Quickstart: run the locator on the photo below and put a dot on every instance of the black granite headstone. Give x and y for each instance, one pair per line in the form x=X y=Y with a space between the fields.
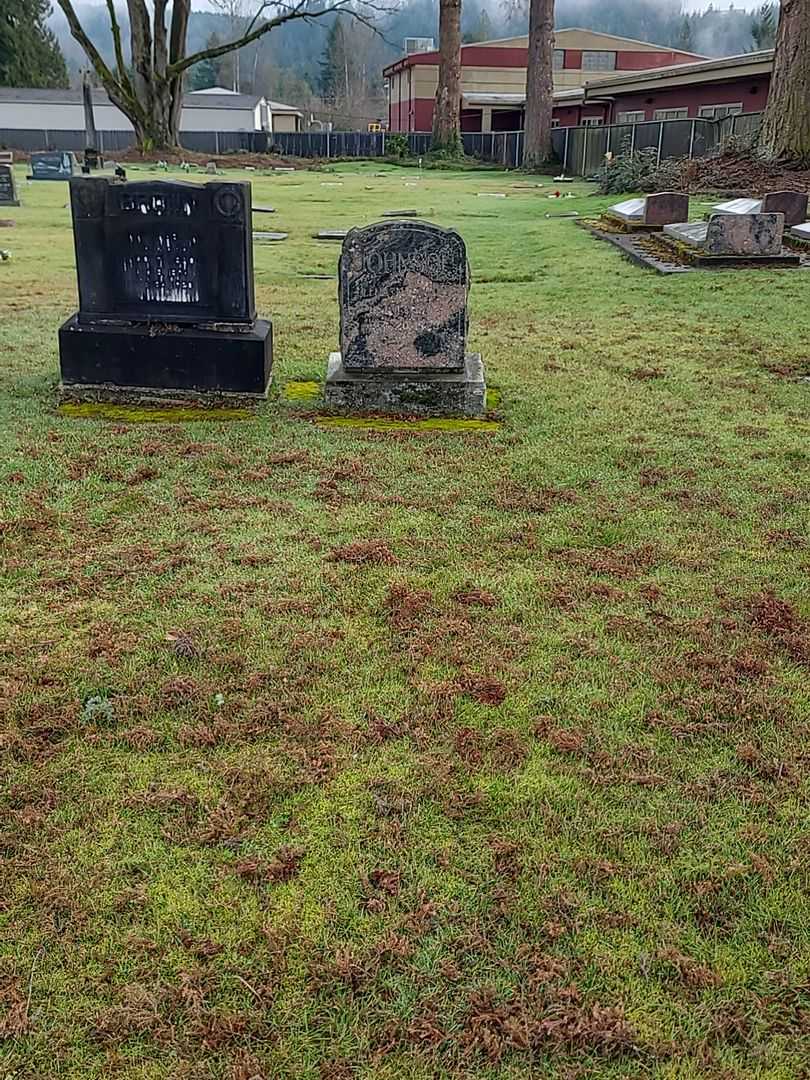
x=166 y=298
x=52 y=165
x=8 y=188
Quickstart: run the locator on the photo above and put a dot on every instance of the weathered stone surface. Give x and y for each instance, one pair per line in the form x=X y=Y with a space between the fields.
x=629 y=210
x=52 y=165
x=801 y=232
x=455 y=393
x=666 y=208
x=744 y=234
x=692 y=234
x=738 y=206
x=8 y=187
x=793 y=204
x=403 y=298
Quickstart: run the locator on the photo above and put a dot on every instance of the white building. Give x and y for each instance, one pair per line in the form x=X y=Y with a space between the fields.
x=204 y=110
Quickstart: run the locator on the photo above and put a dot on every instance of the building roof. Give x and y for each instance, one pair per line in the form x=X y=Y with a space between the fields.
x=726 y=67
x=29 y=95
x=611 y=42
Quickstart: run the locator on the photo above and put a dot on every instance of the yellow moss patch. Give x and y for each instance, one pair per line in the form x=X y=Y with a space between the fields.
x=378 y=423
x=494 y=398
x=146 y=415
x=303 y=390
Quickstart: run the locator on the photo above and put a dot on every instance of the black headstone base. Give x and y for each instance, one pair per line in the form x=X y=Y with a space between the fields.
x=155 y=357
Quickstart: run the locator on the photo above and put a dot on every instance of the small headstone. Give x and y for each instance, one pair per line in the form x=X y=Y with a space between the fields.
x=741 y=235
x=400 y=213
x=403 y=324
x=662 y=208
x=211 y=168
x=793 y=204
x=801 y=232
x=331 y=234
x=52 y=165
x=264 y=210
x=738 y=206
x=270 y=237
x=665 y=207
x=8 y=187
x=166 y=297
x=745 y=234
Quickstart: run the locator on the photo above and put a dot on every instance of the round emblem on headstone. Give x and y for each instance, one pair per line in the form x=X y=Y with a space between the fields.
x=227 y=202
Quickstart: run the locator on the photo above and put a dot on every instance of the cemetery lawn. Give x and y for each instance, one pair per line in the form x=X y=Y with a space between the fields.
x=331 y=752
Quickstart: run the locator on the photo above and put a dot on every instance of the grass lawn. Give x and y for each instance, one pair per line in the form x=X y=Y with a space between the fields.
x=331 y=752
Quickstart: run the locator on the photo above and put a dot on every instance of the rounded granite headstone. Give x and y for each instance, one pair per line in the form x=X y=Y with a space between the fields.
x=403 y=298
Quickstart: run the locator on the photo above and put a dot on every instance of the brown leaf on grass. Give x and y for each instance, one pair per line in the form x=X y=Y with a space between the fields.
x=406 y=606
x=567 y=740
x=183 y=644
x=246 y=1066
x=15 y=1020
x=689 y=971
x=387 y=881
x=485 y=689
x=773 y=616
x=474 y=597
x=645 y=374
x=364 y=551
x=283 y=867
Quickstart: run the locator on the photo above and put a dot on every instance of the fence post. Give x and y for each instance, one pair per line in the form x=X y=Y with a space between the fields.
x=328 y=149
x=660 y=139
x=584 y=151
x=565 y=149
x=692 y=139
x=382 y=151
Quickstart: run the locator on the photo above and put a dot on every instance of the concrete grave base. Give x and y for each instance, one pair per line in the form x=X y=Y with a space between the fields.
x=415 y=393
x=184 y=362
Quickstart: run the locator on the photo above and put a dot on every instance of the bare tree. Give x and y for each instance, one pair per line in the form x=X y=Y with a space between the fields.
x=539 y=85
x=447 y=108
x=151 y=94
x=785 y=132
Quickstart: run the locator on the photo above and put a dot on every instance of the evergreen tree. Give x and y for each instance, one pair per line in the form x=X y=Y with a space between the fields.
x=763 y=27
x=482 y=30
x=333 y=63
x=205 y=74
x=29 y=52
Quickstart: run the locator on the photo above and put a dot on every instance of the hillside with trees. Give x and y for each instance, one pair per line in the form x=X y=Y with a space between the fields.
x=29 y=51
x=333 y=67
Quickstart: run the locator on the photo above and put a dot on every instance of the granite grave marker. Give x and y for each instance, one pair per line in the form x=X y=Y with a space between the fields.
x=741 y=235
x=166 y=299
x=52 y=165
x=403 y=289
x=652 y=211
x=793 y=204
x=8 y=187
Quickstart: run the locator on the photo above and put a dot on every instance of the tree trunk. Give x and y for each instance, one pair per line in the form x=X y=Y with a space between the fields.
x=447 y=108
x=537 y=151
x=785 y=132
